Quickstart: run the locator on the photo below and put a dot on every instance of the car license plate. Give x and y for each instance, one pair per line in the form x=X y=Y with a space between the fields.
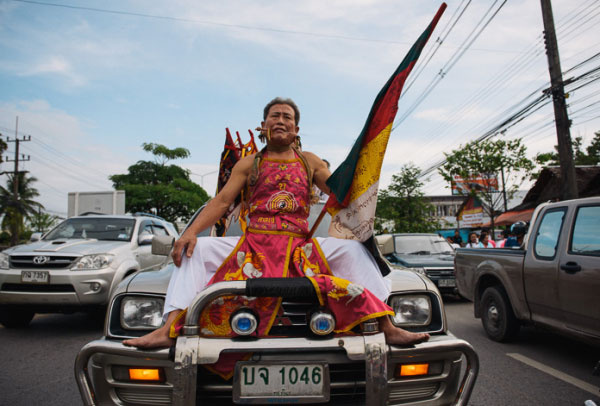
x=35 y=277
x=447 y=283
x=293 y=382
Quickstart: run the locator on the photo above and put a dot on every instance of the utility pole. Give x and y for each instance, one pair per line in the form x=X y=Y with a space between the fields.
x=14 y=236
x=568 y=187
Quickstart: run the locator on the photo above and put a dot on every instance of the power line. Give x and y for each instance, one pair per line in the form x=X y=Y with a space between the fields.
x=475 y=33
x=228 y=25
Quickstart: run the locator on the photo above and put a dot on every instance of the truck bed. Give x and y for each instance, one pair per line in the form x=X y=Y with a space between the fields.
x=469 y=262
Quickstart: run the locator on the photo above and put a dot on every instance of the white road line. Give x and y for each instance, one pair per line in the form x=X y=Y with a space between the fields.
x=556 y=373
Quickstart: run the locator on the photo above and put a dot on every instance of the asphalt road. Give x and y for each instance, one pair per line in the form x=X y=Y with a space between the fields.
x=538 y=369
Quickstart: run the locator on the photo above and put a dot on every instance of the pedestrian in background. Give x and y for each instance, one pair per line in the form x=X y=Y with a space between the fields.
x=473 y=241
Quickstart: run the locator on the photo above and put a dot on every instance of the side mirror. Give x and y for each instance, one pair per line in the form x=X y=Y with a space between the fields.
x=162 y=244
x=35 y=237
x=145 y=239
x=385 y=243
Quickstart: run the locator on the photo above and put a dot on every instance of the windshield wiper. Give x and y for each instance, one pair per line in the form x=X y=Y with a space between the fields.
x=419 y=253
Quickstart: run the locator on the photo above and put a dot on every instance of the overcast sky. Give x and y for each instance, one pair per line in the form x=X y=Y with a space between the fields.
x=91 y=80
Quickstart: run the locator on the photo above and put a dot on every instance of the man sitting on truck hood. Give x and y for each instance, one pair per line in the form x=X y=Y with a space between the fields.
x=279 y=179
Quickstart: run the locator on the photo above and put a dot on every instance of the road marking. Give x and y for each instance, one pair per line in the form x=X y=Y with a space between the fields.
x=556 y=373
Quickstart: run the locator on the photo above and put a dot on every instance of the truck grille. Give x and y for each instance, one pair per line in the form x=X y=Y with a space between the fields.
x=347 y=386
x=52 y=262
x=292 y=320
x=439 y=272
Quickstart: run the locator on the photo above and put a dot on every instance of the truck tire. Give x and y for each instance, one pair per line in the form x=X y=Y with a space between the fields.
x=14 y=317
x=498 y=318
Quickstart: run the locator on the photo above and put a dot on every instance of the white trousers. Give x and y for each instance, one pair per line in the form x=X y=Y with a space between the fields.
x=347 y=259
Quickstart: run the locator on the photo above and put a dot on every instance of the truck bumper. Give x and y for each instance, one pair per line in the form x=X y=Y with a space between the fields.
x=363 y=370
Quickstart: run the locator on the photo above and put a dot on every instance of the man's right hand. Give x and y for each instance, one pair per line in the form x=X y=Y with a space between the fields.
x=183 y=246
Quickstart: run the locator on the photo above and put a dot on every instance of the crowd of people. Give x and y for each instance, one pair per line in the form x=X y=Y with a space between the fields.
x=512 y=237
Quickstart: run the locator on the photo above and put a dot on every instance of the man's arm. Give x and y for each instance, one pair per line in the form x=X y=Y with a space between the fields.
x=320 y=171
x=214 y=210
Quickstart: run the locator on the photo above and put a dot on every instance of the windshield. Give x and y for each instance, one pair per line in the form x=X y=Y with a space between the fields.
x=106 y=229
x=422 y=245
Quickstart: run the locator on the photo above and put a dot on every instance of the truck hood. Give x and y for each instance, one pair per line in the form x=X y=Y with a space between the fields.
x=67 y=246
x=425 y=261
x=156 y=282
x=406 y=280
x=151 y=281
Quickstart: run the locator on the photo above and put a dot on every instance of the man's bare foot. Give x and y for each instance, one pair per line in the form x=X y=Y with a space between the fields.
x=396 y=335
x=157 y=339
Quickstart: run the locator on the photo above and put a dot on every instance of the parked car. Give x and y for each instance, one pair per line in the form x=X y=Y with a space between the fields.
x=348 y=369
x=552 y=281
x=428 y=254
x=77 y=265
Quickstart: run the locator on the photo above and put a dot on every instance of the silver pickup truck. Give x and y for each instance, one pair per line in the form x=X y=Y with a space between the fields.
x=553 y=280
x=292 y=365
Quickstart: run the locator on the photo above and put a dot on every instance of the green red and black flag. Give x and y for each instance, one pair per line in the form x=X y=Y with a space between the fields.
x=232 y=153
x=355 y=183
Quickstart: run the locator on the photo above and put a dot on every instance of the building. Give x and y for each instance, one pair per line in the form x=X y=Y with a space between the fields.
x=446 y=207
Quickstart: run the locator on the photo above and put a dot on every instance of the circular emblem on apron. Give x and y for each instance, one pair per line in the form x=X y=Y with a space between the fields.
x=282 y=202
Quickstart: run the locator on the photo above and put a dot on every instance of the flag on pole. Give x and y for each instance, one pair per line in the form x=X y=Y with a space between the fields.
x=232 y=152
x=355 y=182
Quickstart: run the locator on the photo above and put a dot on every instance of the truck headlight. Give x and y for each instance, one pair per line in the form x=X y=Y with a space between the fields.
x=4 y=262
x=92 y=262
x=141 y=313
x=411 y=310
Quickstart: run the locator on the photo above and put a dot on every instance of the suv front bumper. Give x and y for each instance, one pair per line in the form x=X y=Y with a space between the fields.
x=65 y=288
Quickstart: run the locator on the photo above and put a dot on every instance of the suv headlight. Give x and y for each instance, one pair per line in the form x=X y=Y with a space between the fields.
x=141 y=313
x=411 y=310
x=92 y=262
x=4 y=262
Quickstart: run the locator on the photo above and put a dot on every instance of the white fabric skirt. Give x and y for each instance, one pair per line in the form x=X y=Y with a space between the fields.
x=347 y=259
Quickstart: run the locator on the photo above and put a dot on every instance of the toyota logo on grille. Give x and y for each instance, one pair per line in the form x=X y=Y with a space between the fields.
x=40 y=260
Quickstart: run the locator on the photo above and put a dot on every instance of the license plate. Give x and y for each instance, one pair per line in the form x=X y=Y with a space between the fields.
x=447 y=283
x=293 y=382
x=35 y=277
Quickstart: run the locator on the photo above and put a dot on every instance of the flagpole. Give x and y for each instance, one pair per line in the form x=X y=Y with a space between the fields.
x=317 y=222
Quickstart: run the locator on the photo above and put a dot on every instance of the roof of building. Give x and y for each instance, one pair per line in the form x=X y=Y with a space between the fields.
x=547 y=187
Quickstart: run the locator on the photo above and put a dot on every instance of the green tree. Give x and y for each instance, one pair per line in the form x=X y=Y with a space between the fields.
x=490 y=159
x=591 y=156
x=402 y=207
x=23 y=207
x=157 y=186
x=3 y=147
x=42 y=222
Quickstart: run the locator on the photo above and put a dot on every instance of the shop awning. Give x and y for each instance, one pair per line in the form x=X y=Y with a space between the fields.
x=510 y=217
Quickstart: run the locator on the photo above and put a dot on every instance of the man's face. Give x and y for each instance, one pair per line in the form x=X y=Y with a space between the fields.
x=281 y=123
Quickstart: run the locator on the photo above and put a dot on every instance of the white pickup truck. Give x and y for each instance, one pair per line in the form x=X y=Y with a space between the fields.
x=292 y=365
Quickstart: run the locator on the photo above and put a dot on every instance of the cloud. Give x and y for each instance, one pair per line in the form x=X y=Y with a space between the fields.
x=63 y=155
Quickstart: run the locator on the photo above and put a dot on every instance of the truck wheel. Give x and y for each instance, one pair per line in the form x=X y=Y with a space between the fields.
x=498 y=318
x=13 y=317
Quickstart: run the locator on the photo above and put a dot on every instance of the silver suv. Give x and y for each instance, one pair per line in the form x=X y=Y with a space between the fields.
x=76 y=265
